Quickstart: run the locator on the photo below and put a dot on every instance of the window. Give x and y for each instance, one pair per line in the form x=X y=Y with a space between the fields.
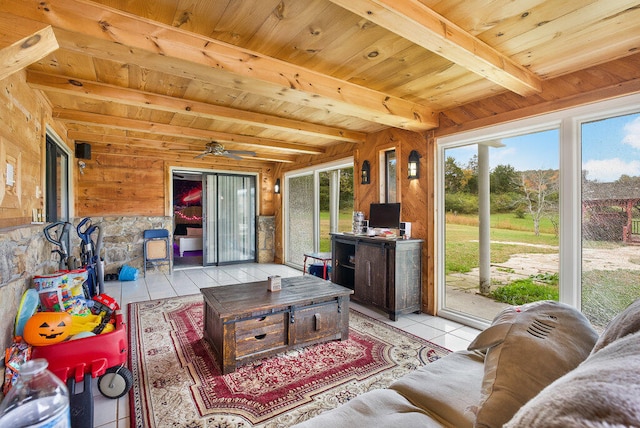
x=610 y=215
x=390 y=181
x=501 y=221
x=586 y=215
x=57 y=181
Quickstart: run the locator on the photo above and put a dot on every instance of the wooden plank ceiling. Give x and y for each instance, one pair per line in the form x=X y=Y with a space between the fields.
x=290 y=77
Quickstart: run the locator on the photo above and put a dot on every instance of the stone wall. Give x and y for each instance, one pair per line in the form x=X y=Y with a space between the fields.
x=266 y=239
x=122 y=241
x=25 y=253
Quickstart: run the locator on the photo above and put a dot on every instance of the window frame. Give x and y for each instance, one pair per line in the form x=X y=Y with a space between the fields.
x=568 y=122
x=50 y=177
x=386 y=181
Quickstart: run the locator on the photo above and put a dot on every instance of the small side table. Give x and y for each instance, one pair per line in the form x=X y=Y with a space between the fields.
x=323 y=257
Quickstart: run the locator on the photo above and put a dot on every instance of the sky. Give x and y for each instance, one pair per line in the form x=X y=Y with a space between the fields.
x=610 y=148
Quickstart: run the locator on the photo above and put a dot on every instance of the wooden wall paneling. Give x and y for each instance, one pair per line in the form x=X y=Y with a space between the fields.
x=429 y=246
x=416 y=196
x=120 y=185
x=371 y=151
x=367 y=193
x=22 y=115
x=266 y=181
x=278 y=215
x=416 y=204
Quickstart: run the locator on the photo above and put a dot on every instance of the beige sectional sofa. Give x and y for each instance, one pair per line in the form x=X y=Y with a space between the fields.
x=538 y=365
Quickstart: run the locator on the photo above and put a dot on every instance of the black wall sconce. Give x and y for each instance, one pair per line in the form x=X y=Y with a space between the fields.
x=365 y=173
x=276 y=187
x=414 y=165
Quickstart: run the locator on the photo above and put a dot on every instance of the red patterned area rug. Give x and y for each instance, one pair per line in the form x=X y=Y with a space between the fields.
x=178 y=384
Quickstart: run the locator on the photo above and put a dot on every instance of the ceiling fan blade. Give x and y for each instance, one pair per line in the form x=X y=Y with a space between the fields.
x=231 y=155
x=201 y=155
x=242 y=152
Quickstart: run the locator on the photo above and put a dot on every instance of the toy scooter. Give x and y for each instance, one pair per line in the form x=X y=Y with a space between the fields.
x=58 y=234
x=90 y=256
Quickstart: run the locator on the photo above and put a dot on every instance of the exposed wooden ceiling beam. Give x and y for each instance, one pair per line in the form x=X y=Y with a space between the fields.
x=104 y=92
x=161 y=147
x=23 y=42
x=416 y=22
x=117 y=122
x=176 y=158
x=297 y=84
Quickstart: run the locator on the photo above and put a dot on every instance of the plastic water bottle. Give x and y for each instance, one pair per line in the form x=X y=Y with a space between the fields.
x=38 y=399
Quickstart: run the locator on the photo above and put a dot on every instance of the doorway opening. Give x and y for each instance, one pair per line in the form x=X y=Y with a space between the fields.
x=188 y=236
x=214 y=216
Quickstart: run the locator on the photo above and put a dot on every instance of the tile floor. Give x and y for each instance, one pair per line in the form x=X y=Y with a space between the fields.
x=109 y=413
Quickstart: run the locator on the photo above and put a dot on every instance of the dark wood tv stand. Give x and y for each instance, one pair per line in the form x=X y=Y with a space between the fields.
x=385 y=273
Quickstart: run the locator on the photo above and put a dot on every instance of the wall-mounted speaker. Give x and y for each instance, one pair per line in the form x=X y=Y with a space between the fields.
x=83 y=150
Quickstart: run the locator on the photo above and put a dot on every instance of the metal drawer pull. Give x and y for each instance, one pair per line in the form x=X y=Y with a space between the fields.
x=260 y=336
x=318 y=323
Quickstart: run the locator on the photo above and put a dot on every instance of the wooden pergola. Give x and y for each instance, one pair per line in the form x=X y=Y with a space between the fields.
x=601 y=195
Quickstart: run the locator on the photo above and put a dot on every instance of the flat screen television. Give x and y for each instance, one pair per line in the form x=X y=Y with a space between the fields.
x=384 y=216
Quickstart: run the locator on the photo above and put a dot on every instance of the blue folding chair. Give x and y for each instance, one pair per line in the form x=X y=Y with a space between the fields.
x=156 y=247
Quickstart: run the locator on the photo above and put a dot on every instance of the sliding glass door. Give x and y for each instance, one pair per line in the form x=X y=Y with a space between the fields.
x=229 y=218
x=317 y=202
x=299 y=225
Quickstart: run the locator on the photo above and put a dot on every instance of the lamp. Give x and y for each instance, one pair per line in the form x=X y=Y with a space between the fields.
x=414 y=165
x=365 y=173
x=276 y=187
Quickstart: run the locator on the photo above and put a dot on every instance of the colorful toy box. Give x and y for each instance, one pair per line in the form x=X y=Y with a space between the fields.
x=62 y=291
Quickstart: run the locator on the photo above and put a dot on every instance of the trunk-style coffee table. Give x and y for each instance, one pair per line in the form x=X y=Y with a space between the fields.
x=245 y=322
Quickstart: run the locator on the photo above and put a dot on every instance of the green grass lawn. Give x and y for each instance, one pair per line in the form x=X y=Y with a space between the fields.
x=462 y=248
x=344 y=225
x=604 y=292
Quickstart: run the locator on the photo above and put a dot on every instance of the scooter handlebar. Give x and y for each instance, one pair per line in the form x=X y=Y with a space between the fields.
x=89 y=228
x=47 y=231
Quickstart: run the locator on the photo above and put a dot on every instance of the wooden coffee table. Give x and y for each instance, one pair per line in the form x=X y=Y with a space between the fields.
x=245 y=322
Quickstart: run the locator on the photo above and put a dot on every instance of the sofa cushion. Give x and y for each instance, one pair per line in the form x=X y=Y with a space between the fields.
x=447 y=387
x=194 y=231
x=602 y=392
x=626 y=322
x=528 y=347
x=380 y=408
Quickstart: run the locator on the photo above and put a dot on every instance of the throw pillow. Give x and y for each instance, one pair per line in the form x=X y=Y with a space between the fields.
x=626 y=322
x=194 y=231
x=528 y=347
x=602 y=392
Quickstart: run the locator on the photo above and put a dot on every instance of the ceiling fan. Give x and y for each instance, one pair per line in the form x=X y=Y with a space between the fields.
x=217 y=149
